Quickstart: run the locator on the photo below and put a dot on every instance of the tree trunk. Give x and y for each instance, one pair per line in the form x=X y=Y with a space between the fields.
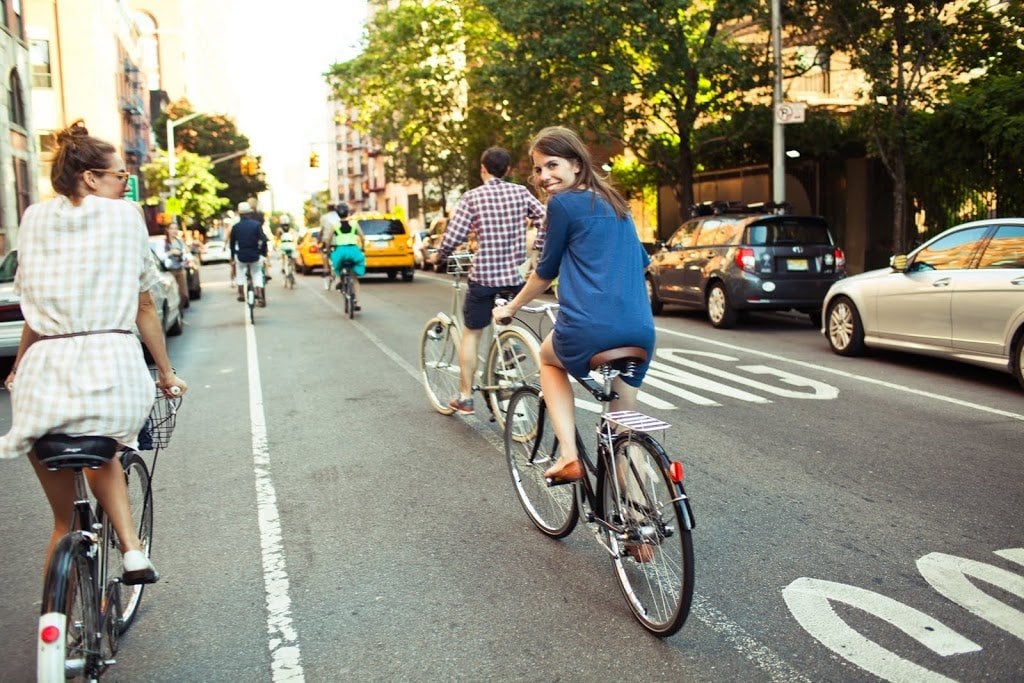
x=900 y=243
x=683 y=189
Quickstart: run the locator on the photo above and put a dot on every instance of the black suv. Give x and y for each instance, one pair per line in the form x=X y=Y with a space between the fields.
x=733 y=257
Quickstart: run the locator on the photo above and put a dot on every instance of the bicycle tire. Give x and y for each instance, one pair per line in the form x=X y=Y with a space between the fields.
x=439 y=362
x=513 y=361
x=653 y=557
x=531 y=448
x=350 y=297
x=140 y=499
x=70 y=606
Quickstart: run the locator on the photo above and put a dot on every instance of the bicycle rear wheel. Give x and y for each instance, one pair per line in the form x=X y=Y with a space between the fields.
x=653 y=555
x=250 y=301
x=68 y=637
x=140 y=499
x=439 y=362
x=513 y=361
x=350 y=297
x=531 y=448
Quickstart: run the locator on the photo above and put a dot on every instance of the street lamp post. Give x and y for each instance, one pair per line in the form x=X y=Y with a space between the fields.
x=171 y=124
x=778 y=136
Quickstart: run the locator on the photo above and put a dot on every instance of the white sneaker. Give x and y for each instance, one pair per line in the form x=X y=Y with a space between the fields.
x=138 y=569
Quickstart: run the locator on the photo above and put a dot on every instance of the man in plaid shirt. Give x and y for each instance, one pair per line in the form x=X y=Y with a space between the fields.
x=497 y=213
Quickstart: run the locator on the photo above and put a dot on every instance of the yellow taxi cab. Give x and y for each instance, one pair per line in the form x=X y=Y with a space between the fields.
x=307 y=252
x=387 y=244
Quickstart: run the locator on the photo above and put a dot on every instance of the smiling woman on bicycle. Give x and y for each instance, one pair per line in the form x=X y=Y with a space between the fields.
x=591 y=246
x=84 y=274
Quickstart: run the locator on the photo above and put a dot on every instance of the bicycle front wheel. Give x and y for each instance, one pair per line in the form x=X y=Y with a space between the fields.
x=439 y=362
x=531 y=448
x=513 y=361
x=69 y=631
x=652 y=548
x=140 y=499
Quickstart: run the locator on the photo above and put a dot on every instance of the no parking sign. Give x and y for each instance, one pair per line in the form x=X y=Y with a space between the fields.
x=790 y=112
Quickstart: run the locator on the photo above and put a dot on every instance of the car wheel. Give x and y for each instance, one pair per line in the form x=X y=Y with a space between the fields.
x=844 y=329
x=407 y=275
x=720 y=312
x=652 y=296
x=1017 y=358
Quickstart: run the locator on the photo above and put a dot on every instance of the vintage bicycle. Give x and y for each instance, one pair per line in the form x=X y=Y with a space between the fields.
x=632 y=493
x=509 y=356
x=86 y=607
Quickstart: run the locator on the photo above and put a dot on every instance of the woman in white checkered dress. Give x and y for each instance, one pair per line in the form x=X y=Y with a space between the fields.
x=84 y=274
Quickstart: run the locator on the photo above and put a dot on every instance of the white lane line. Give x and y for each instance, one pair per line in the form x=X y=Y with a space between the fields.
x=848 y=375
x=285 y=656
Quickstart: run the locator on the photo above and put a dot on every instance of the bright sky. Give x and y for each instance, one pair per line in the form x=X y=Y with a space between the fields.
x=283 y=49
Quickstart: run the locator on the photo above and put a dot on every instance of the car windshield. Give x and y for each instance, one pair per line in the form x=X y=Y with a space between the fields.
x=785 y=230
x=381 y=226
x=9 y=267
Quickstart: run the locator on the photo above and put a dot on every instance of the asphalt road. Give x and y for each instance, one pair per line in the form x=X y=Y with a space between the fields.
x=857 y=519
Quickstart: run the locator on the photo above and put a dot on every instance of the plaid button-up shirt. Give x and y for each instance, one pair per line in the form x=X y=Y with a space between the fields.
x=497 y=212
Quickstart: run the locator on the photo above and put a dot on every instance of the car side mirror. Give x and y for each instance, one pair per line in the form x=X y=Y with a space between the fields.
x=898 y=262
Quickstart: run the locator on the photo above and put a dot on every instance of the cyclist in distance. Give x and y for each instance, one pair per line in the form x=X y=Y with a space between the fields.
x=79 y=370
x=347 y=240
x=249 y=247
x=328 y=222
x=496 y=213
x=592 y=247
x=285 y=240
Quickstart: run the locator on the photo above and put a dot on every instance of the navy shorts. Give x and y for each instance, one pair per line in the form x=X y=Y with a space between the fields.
x=476 y=309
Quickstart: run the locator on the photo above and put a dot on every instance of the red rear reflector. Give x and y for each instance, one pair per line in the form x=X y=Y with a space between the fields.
x=313 y=249
x=49 y=634
x=675 y=472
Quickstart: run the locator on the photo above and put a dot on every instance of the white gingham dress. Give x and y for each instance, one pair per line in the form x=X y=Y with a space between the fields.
x=81 y=269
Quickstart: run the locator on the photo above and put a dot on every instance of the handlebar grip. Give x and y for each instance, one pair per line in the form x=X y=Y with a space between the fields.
x=498 y=301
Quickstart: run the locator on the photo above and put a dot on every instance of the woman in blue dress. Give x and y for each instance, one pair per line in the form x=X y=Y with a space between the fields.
x=592 y=247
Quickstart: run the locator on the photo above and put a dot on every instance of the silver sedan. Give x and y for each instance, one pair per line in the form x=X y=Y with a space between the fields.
x=960 y=295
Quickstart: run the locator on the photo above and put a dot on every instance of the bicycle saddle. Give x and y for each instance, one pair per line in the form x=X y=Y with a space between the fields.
x=60 y=451
x=618 y=358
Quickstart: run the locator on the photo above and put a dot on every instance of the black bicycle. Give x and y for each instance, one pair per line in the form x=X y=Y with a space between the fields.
x=250 y=295
x=632 y=494
x=347 y=288
x=86 y=607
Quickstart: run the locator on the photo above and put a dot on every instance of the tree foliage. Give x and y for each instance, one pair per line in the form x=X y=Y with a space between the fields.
x=212 y=135
x=411 y=89
x=197 y=189
x=910 y=51
x=636 y=74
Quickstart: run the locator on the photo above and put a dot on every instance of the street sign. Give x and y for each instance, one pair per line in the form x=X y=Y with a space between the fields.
x=172 y=182
x=790 y=112
x=172 y=207
x=133 y=188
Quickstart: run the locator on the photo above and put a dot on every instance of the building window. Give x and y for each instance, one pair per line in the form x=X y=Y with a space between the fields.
x=19 y=23
x=16 y=101
x=39 y=52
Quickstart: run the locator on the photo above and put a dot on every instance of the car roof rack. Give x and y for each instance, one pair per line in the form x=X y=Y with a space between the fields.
x=717 y=208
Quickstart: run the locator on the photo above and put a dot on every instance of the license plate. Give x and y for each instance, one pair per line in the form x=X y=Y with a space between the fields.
x=796 y=264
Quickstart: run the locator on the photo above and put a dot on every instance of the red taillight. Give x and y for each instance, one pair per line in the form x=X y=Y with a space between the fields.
x=675 y=472
x=313 y=249
x=745 y=259
x=49 y=634
x=840 y=260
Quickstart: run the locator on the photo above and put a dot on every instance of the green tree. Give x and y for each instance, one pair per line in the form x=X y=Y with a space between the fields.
x=197 y=188
x=412 y=89
x=215 y=136
x=910 y=51
x=642 y=75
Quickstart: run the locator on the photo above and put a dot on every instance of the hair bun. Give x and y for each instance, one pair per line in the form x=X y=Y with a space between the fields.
x=76 y=131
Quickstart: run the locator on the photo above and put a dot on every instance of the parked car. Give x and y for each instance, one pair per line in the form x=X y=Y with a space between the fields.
x=11 y=319
x=167 y=301
x=960 y=295
x=387 y=245
x=214 y=251
x=159 y=246
x=165 y=296
x=307 y=252
x=731 y=258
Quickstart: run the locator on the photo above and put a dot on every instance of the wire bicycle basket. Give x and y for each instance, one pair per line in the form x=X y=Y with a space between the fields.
x=156 y=432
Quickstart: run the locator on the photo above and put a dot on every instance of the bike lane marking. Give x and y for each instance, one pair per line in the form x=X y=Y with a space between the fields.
x=285 y=654
x=848 y=375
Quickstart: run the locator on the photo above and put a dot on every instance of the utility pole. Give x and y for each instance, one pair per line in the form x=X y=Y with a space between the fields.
x=778 y=134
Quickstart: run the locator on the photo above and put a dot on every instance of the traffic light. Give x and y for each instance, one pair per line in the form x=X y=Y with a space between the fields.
x=314 y=160
x=249 y=165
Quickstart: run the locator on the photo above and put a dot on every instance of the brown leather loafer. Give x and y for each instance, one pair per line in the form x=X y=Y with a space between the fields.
x=568 y=474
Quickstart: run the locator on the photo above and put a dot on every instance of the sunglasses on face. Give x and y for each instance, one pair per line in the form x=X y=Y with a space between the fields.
x=120 y=175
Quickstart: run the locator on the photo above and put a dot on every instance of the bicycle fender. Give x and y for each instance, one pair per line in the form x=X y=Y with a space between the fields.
x=688 y=519
x=445 y=318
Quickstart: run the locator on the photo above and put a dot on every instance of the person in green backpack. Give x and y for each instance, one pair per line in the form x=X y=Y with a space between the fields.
x=348 y=250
